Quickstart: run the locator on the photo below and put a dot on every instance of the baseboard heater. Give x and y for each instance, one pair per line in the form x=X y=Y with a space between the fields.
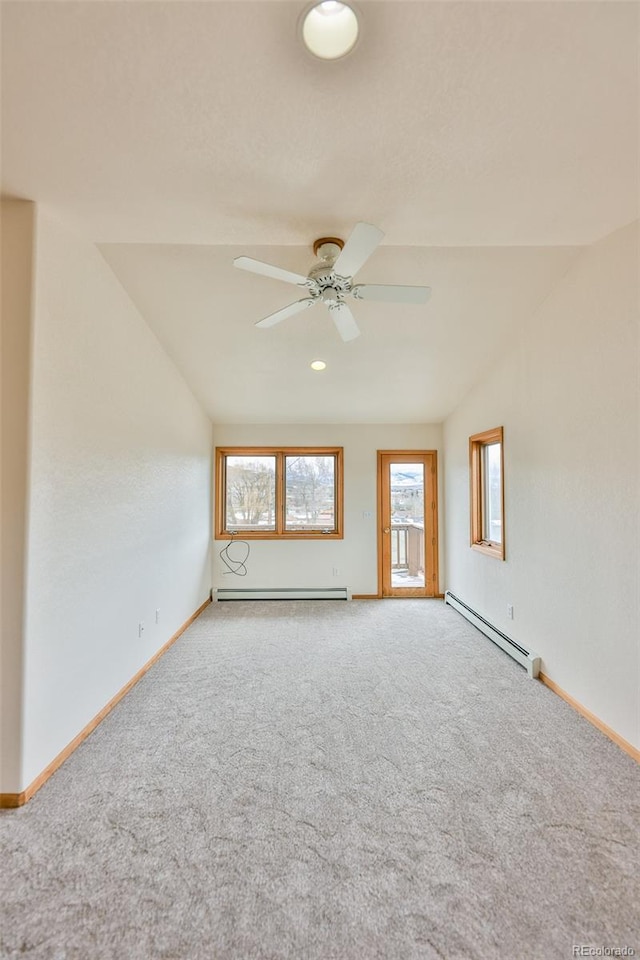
x=528 y=659
x=285 y=593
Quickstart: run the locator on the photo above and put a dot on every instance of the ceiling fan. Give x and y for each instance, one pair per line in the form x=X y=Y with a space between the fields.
x=330 y=280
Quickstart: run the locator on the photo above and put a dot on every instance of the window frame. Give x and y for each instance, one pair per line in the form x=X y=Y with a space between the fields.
x=477 y=443
x=280 y=453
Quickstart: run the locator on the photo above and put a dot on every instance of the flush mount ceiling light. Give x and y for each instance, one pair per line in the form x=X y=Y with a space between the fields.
x=330 y=29
x=318 y=365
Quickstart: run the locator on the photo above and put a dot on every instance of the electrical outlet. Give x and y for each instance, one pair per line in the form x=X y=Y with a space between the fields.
x=140 y=629
x=336 y=572
x=367 y=514
x=510 y=611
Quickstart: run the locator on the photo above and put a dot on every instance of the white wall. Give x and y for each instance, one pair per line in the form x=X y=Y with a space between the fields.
x=18 y=226
x=310 y=563
x=568 y=398
x=119 y=507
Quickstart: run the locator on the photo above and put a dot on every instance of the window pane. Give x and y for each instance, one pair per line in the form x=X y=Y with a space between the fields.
x=406 y=481
x=310 y=494
x=251 y=493
x=491 y=493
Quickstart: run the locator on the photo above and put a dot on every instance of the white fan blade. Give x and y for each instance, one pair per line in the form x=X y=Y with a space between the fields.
x=391 y=293
x=344 y=321
x=289 y=311
x=363 y=241
x=268 y=270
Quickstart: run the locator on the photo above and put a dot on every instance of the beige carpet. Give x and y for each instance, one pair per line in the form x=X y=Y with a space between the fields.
x=329 y=781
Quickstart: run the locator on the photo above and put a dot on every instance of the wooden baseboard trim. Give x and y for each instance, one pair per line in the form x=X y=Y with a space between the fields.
x=378 y=596
x=591 y=717
x=12 y=800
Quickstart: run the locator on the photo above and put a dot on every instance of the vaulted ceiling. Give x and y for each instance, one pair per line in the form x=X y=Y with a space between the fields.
x=490 y=141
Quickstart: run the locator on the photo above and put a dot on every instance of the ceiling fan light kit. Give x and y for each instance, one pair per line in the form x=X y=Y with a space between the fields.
x=330 y=29
x=330 y=280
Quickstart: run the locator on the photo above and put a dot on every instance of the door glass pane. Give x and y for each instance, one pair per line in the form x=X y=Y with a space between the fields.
x=492 y=493
x=310 y=493
x=406 y=481
x=251 y=493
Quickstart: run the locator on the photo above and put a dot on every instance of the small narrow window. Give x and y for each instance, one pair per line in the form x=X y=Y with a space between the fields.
x=486 y=463
x=284 y=492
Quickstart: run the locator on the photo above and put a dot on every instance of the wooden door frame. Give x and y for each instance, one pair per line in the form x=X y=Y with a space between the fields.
x=410 y=456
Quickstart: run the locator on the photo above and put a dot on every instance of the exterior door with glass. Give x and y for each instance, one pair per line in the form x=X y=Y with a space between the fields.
x=408 y=523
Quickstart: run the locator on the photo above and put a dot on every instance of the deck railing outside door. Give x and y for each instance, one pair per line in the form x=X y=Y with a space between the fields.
x=407 y=547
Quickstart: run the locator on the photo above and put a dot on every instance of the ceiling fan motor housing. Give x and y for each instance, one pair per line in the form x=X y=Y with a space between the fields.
x=323 y=280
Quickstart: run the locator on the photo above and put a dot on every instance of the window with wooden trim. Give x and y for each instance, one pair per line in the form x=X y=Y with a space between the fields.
x=279 y=492
x=486 y=466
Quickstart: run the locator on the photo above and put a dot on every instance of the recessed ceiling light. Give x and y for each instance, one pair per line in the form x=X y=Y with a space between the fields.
x=330 y=29
x=318 y=365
